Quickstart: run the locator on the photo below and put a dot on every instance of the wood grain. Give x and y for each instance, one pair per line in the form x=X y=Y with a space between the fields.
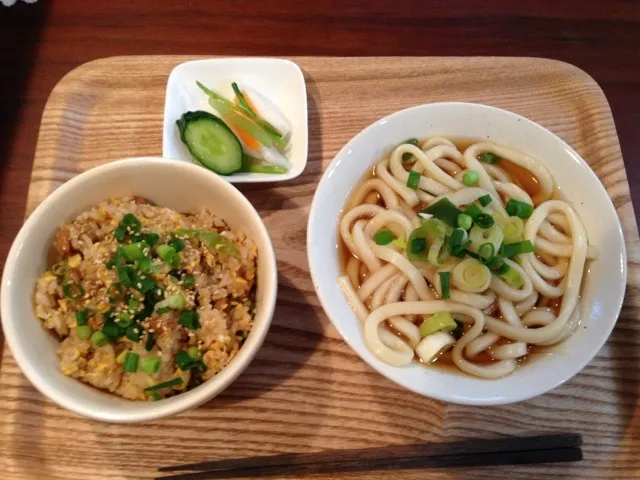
x=306 y=390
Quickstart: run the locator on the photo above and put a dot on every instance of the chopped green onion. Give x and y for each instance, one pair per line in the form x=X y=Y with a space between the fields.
x=383 y=237
x=195 y=353
x=73 y=290
x=413 y=180
x=154 y=396
x=165 y=252
x=470 y=178
x=512 y=278
x=147 y=310
x=461 y=250
x=177 y=244
x=510 y=249
x=174 y=261
x=485 y=200
x=432 y=231
x=120 y=357
x=124 y=319
x=117 y=260
x=162 y=310
x=133 y=333
x=486 y=252
x=112 y=330
x=131 y=222
x=81 y=317
x=488 y=157
x=473 y=254
x=497 y=265
x=134 y=251
x=149 y=341
x=154 y=295
x=484 y=220
x=189 y=281
x=119 y=233
x=84 y=332
x=151 y=238
x=215 y=242
x=169 y=255
x=190 y=319
x=445 y=280
x=173 y=302
x=170 y=383
x=99 y=339
x=131 y=362
x=464 y=221
x=150 y=364
x=441 y=321
x=418 y=245
x=502 y=269
x=183 y=361
x=516 y=208
x=132 y=303
x=145 y=285
x=513 y=228
x=406 y=156
x=176 y=301
x=473 y=211
x=445 y=211
x=458 y=237
x=127 y=276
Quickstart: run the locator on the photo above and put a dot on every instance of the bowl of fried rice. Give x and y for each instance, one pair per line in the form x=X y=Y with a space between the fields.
x=138 y=289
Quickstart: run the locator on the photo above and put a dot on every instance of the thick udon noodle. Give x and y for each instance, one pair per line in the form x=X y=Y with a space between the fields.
x=391 y=295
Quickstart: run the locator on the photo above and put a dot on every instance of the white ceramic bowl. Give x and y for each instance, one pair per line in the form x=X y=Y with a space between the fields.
x=602 y=294
x=279 y=80
x=181 y=186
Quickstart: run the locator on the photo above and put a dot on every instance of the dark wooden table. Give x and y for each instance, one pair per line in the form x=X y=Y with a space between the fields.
x=40 y=43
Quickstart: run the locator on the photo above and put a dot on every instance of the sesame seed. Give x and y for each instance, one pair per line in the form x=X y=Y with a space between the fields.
x=139 y=285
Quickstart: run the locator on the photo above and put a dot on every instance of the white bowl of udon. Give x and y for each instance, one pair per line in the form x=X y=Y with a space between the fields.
x=481 y=262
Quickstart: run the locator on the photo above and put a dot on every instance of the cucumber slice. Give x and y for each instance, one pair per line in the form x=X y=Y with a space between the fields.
x=211 y=142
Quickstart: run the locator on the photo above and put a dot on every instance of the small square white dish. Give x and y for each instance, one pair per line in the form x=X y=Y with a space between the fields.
x=279 y=80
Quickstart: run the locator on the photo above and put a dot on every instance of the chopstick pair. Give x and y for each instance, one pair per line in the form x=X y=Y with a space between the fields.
x=468 y=453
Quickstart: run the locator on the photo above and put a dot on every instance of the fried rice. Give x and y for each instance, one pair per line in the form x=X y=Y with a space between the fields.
x=147 y=302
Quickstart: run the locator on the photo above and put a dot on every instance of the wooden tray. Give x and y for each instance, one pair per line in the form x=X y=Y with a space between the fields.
x=307 y=390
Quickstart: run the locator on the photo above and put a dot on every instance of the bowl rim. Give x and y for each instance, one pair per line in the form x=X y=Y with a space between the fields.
x=446 y=397
x=179 y=403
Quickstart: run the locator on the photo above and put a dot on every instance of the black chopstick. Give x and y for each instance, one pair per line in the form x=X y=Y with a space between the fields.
x=480 y=452
x=402 y=463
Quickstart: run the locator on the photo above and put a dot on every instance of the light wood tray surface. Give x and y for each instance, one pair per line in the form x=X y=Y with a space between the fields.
x=306 y=390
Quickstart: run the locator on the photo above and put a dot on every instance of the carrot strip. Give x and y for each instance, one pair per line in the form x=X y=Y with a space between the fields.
x=250 y=142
